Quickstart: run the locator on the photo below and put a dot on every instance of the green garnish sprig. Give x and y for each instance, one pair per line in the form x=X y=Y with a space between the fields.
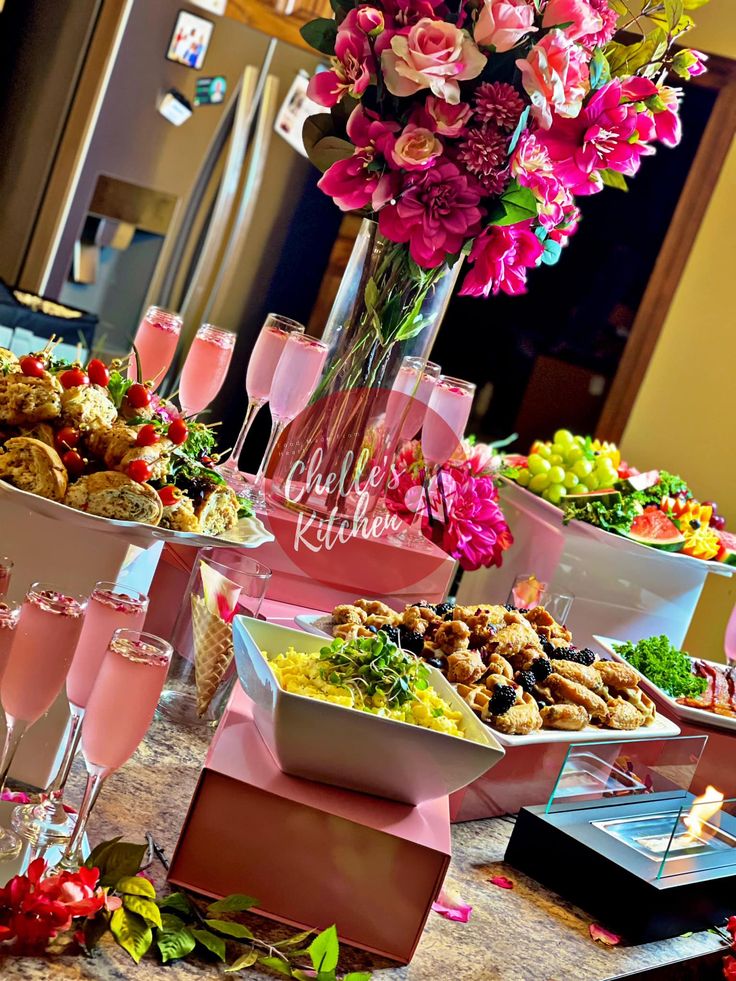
x=372 y=666
x=664 y=665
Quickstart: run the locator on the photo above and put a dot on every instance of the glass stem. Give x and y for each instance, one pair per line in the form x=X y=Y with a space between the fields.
x=13 y=735
x=277 y=427
x=251 y=412
x=56 y=790
x=72 y=852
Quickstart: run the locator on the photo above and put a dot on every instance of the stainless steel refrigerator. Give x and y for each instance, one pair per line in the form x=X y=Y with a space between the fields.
x=219 y=217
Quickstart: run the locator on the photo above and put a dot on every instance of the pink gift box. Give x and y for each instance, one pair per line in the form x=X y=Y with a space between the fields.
x=313 y=854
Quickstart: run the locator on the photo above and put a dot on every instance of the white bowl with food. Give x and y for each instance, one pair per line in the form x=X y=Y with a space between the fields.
x=350 y=747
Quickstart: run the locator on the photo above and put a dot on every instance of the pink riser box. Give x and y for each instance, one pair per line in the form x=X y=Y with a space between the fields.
x=313 y=854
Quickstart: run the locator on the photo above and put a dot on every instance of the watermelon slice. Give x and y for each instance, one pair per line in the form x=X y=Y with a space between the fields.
x=655 y=529
x=727 y=551
x=640 y=481
x=606 y=495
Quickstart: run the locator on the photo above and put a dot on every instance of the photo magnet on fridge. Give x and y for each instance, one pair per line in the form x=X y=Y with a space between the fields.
x=210 y=91
x=296 y=107
x=190 y=40
x=175 y=107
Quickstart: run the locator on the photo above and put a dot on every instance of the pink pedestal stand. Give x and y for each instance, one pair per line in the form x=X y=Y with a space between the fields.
x=313 y=854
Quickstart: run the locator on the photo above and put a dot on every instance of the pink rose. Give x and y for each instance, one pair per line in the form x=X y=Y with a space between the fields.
x=555 y=77
x=449 y=120
x=503 y=23
x=434 y=55
x=415 y=149
x=578 y=14
x=370 y=20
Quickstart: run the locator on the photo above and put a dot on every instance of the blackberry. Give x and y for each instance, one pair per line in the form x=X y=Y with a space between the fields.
x=442 y=609
x=411 y=640
x=392 y=633
x=562 y=653
x=526 y=679
x=585 y=657
x=588 y=655
x=509 y=607
x=541 y=668
x=436 y=662
x=502 y=699
x=548 y=647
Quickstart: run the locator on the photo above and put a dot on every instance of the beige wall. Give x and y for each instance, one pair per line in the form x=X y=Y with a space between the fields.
x=684 y=418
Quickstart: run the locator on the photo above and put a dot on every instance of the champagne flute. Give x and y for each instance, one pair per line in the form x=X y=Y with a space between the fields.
x=409 y=396
x=444 y=425
x=110 y=607
x=45 y=639
x=119 y=713
x=9 y=614
x=155 y=341
x=294 y=382
x=6 y=571
x=261 y=367
x=205 y=368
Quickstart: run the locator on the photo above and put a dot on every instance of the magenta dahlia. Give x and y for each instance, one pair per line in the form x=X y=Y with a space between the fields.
x=476 y=532
x=484 y=152
x=499 y=103
x=500 y=258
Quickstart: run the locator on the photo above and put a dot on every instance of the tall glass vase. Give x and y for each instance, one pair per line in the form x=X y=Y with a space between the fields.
x=334 y=459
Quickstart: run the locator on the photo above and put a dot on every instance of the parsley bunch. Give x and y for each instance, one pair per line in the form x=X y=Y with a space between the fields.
x=664 y=665
x=615 y=517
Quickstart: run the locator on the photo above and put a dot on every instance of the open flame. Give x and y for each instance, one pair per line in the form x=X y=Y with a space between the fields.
x=704 y=808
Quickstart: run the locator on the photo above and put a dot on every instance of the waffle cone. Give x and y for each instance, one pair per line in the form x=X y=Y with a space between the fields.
x=213 y=651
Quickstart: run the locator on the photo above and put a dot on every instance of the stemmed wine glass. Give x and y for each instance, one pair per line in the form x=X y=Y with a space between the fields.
x=6 y=571
x=110 y=607
x=205 y=368
x=119 y=712
x=9 y=614
x=155 y=341
x=294 y=381
x=45 y=639
x=261 y=368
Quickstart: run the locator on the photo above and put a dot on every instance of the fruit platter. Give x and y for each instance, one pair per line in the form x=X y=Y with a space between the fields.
x=694 y=689
x=94 y=446
x=518 y=670
x=591 y=485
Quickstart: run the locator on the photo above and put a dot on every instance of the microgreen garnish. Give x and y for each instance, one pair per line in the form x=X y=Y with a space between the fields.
x=374 y=665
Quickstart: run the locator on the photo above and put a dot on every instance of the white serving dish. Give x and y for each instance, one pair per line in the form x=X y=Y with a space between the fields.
x=346 y=747
x=681 y=711
x=248 y=533
x=319 y=624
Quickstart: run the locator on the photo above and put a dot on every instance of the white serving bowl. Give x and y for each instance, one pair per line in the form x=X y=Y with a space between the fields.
x=333 y=744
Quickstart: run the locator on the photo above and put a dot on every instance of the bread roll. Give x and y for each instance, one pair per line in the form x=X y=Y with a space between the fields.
x=33 y=466
x=24 y=401
x=87 y=407
x=114 y=495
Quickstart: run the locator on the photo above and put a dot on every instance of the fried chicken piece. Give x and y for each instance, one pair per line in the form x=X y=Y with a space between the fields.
x=582 y=674
x=640 y=701
x=465 y=667
x=514 y=637
x=621 y=714
x=564 y=690
x=24 y=401
x=524 y=659
x=566 y=716
x=375 y=608
x=375 y=620
x=413 y=619
x=452 y=636
x=482 y=628
x=521 y=719
x=87 y=407
x=348 y=613
x=350 y=631
x=616 y=675
x=546 y=626
x=500 y=666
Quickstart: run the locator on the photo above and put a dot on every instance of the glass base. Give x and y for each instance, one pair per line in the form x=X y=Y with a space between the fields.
x=255 y=495
x=181 y=707
x=43 y=822
x=235 y=479
x=10 y=844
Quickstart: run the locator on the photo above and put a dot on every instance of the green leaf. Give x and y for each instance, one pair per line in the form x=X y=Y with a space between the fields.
x=247 y=960
x=276 y=964
x=324 y=950
x=132 y=933
x=236 y=930
x=117 y=860
x=175 y=944
x=97 y=857
x=626 y=59
x=136 y=885
x=298 y=938
x=357 y=976
x=176 y=901
x=215 y=945
x=600 y=73
x=143 y=907
x=516 y=204
x=170 y=923
x=619 y=6
x=237 y=902
x=94 y=929
x=371 y=294
x=693 y=4
x=320 y=34
x=673 y=10
x=612 y=178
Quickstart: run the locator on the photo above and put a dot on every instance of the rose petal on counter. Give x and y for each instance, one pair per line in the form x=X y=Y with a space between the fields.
x=450 y=905
x=604 y=936
x=501 y=881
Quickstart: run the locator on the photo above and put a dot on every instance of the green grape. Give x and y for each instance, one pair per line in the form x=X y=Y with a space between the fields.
x=544 y=451
x=556 y=459
x=524 y=478
x=581 y=468
x=555 y=493
x=570 y=480
x=545 y=493
x=559 y=448
x=564 y=437
x=574 y=453
x=556 y=475
x=592 y=482
x=537 y=464
x=539 y=482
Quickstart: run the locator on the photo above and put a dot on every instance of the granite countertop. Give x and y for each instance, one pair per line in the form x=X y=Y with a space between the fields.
x=524 y=934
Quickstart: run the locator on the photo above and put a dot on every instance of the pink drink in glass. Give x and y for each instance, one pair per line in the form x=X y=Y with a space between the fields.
x=446 y=419
x=262 y=365
x=107 y=611
x=9 y=614
x=155 y=341
x=123 y=701
x=6 y=571
x=410 y=395
x=205 y=368
x=45 y=639
x=296 y=376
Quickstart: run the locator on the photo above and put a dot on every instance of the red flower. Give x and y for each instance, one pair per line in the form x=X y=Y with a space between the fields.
x=34 y=910
x=500 y=258
x=729 y=968
x=731 y=927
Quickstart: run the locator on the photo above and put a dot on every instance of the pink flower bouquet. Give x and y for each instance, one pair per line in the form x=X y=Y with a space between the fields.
x=470 y=127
